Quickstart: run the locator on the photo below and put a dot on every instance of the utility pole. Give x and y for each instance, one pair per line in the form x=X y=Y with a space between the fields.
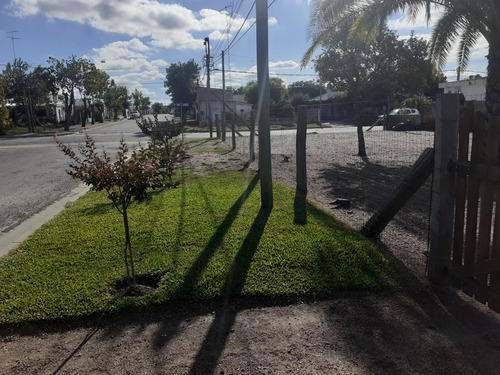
x=206 y=43
x=223 y=100
x=12 y=37
x=263 y=108
x=319 y=113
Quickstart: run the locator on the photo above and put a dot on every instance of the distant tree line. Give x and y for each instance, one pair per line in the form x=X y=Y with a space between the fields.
x=385 y=68
x=26 y=93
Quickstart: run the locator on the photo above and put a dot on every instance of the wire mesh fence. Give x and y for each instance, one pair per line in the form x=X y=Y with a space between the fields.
x=353 y=188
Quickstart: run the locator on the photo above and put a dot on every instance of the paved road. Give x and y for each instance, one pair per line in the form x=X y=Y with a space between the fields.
x=33 y=170
x=34 y=184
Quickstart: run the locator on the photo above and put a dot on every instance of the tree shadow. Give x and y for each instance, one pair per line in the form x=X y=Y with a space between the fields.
x=300 y=209
x=367 y=187
x=98 y=209
x=192 y=276
x=215 y=340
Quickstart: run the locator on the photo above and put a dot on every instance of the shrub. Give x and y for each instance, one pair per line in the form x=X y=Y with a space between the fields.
x=158 y=130
x=126 y=178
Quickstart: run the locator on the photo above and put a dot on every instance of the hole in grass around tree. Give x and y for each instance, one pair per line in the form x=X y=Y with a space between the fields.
x=145 y=284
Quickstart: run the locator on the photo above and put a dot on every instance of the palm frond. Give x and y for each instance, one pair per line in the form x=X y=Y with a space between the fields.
x=467 y=41
x=443 y=37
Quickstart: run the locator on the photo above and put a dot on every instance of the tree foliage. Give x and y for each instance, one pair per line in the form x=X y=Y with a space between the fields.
x=68 y=76
x=310 y=88
x=116 y=99
x=4 y=112
x=181 y=82
x=387 y=67
x=462 y=21
x=96 y=84
x=278 y=92
x=126 y=178
x=28 y=89
x=159 y=108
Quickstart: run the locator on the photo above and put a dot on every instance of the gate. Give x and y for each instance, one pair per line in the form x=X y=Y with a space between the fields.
x=475 y=262
x=465 y=212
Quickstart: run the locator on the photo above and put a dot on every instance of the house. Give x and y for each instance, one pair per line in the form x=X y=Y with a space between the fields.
x=474 y=89
x=322 y=108
x=235 y=104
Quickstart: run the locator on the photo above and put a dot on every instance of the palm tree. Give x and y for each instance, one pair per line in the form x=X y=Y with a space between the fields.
x=464 y=21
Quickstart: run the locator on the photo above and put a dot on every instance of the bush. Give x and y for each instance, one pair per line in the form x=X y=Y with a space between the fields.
x=125 y=179
x=4 y=120
x=159 y=130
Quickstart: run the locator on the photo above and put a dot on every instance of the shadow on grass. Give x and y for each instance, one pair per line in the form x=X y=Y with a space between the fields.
x=213 y=345
x=300 y=209
x=237 y=275
x=98 y=209
x=193 y=274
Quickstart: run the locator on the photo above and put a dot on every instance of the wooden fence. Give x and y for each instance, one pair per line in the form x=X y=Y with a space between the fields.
x=465 y=227
x=476 y=240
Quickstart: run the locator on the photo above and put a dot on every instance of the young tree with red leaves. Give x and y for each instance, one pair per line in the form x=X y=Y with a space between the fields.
x=126 y=178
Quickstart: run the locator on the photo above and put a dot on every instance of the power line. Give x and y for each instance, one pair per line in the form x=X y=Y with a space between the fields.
x=276 y=74
x=241 y=27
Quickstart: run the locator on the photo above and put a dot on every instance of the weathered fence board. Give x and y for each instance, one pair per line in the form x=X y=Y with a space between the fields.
x=461 y=183
x=476 y=241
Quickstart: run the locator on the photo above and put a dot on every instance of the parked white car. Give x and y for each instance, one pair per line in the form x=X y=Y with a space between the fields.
x=401 y=119
x=134 y=114
x=405 y=111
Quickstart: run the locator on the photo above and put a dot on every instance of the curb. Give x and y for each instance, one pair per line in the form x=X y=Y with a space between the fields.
x=18 y=234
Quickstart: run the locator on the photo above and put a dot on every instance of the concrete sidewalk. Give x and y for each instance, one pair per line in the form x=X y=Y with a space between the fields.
x=15 y=236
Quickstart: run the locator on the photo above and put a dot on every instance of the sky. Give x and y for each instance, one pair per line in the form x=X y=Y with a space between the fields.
x=135 y=41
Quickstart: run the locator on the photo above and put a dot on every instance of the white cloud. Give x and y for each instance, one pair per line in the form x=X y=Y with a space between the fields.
x=284 y=65
x=402 y=22
x=167 y=25
x=138 y=80
x=133 y=48
x=115 y=65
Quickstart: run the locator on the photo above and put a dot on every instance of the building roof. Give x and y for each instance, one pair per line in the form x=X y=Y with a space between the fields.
x=329 y=95
x=464 y=82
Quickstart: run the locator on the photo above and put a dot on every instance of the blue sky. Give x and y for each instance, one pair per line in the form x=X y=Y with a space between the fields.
x=134 y=41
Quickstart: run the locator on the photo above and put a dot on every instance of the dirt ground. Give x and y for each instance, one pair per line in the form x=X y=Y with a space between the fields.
x=423 y=330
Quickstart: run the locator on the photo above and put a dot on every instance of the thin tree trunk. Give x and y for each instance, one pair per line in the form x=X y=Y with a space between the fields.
x=84 y=117
x=361 y=135
x=67 y=111
x=92 y=111
x=361 y=141
x=71 y=106
x=128 y=246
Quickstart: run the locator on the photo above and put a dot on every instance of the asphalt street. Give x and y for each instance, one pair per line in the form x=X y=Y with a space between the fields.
x=34 y=185
x=33 y=176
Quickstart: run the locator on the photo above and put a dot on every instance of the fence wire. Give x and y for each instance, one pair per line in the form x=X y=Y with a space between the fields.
x=353 y=188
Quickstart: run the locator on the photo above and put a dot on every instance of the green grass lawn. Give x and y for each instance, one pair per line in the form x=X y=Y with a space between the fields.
x=206 y=239
x=15 y=130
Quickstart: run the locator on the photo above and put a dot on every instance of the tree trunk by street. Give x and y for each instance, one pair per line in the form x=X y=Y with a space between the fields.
x=361 y=135
x=84 y=116
x=66 y=111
